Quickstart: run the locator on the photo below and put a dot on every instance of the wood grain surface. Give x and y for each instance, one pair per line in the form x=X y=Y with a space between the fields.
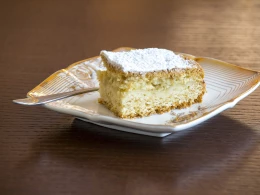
x=44 y=152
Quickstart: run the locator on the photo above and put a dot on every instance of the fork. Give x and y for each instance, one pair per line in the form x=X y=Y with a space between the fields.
x=31 y=101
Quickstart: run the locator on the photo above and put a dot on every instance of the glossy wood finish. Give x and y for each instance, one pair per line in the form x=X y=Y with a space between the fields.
x=43 y=152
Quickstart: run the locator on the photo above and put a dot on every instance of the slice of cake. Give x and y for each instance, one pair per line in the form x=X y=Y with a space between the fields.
x=142 y=82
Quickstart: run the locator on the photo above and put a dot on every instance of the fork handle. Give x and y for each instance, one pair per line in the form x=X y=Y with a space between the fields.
x=53 y=97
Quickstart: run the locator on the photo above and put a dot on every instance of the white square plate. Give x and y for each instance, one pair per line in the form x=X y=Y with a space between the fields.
x=226 y=85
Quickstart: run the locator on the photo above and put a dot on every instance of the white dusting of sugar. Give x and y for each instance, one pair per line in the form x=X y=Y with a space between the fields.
x=146 y=60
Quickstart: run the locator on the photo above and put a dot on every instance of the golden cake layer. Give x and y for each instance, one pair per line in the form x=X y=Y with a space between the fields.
x=138 y=92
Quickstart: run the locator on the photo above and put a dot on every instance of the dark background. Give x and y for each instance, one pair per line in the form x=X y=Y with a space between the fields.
x=44 y=152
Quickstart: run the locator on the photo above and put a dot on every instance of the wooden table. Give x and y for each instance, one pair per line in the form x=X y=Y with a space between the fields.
x=44 y=152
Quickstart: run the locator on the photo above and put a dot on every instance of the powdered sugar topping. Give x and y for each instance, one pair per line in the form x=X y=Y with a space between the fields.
x=146 y=60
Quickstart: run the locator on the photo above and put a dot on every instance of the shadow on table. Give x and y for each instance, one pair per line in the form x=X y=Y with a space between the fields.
x=217 y=146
